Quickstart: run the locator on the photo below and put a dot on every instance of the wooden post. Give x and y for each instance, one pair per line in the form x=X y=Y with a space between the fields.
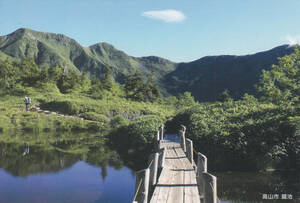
x=142 y=186
x=201 y=163
x=183 y=137
x=162 y=158
x=201 y=168
x=156 y=142
x=182 y=140
x=154 y=169
x=183 y=128
x=146 y=185
x=189 y=150
x=161 y=132
x=210 y=194
x=150 y=166
x=157 y=136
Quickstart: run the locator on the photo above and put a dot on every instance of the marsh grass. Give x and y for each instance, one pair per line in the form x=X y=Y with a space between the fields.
x=14 y=118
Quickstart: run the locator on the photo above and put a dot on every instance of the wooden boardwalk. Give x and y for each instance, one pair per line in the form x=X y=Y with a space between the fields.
x=177 y=181
x=172 y=175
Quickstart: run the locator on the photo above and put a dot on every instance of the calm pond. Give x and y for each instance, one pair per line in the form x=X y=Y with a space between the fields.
x=57 y=168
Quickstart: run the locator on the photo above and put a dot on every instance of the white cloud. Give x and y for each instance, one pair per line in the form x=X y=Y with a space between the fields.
x=293 y=40
x=169 y=15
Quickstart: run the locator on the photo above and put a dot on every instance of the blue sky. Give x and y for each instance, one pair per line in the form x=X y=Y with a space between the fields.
x=174 y=29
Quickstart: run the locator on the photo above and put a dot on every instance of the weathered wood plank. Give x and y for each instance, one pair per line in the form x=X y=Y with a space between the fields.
x=161 y=192
x=190 y=190
x=177 y=182
x=177 y=188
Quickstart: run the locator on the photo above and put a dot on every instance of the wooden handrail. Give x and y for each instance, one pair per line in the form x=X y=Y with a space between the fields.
x=150 y=163
x=218 y=200
x=136 y=192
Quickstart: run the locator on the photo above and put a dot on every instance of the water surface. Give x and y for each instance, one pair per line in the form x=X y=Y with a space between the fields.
x=66 y=169
x=84 y=168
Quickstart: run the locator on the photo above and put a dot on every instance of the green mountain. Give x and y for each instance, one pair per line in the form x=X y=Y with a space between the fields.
x=49 y=49
x=206 y=78
x=209 y=76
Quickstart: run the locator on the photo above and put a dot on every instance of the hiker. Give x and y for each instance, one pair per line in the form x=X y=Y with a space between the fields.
x=27 y=101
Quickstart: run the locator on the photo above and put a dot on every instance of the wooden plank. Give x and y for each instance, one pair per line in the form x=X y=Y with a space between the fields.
x=177 y=191
x=161 y=192
x=190 y=190
x=191 y=193
x=169 y=144
x=177 y=182
x=167 y=184
x=187 y=176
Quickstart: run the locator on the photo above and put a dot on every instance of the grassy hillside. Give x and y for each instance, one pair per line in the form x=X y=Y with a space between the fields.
x=49 y=50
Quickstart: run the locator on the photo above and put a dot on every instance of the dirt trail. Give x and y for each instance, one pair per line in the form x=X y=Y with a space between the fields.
x=38 y=110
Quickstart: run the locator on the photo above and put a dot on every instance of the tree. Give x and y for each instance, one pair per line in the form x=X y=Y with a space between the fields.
x=96 y=89
x=8 y=75
x=107 y=82
x=185 y=100
x=55 y=73
x=224 y=96
x=152 y=92
x=31 y=73
x=85 y=82
x=282 y=83
x=139 y=90
x=68 y=82
x=134 y=86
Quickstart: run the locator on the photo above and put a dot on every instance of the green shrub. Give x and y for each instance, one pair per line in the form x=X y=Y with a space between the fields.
x=118 y=121
x=93 y=126
x=241 y=135
x=66 y=107
x=5 y=123
x=94 y=117
x=138 y=134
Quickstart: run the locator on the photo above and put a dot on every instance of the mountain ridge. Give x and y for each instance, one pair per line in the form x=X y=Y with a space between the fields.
x=206 y=77
x=209 y=76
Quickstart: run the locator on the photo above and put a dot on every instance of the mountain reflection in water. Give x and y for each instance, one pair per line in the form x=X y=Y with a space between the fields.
x=85 y=168
x=62 y=168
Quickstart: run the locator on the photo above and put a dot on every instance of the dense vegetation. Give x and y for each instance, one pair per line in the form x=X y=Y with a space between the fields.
x=102 y=101
x=253 y=133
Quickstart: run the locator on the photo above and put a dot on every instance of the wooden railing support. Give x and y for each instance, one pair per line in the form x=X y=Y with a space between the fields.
x=210 y=194
x=146 y=185
x=189 y=150
x=157 y=141
x=182 y=140
x=183 y=128
x=161 y=129
x=154 y=169
x=201 y=168
x=142 y=186
x=162 y=158
x=157 y=136
x=201 y=163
